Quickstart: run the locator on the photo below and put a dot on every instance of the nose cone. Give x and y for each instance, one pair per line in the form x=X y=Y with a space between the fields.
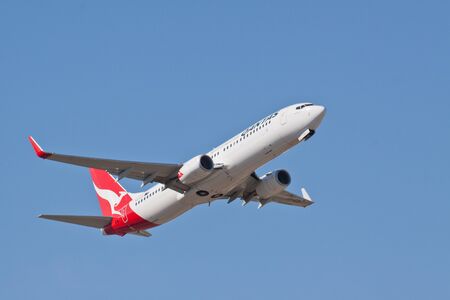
x=317 y=113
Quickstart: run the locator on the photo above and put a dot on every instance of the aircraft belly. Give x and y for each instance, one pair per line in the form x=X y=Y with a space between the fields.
x=163 y=208
x=216 y=183
x=224 y=180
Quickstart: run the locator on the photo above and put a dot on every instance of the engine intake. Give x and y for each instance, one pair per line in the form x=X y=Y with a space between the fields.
x=273 y=183
x=196 y=169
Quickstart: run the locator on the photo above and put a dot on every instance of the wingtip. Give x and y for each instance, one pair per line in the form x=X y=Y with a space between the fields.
x=307 y=199
x=37 y=149
x=306 y=195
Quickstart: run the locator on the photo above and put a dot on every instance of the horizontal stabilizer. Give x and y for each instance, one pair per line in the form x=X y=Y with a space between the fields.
x=90 y=221
x=141 y=233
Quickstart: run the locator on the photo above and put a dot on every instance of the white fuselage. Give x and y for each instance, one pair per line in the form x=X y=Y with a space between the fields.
x=239 y=157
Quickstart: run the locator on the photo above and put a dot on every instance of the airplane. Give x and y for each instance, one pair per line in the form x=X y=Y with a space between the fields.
x=227 y=172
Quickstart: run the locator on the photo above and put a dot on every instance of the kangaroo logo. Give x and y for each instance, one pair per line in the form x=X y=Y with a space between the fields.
x=112 y=198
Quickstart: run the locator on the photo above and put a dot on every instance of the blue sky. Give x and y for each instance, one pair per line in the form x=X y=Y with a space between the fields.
x=164 y=81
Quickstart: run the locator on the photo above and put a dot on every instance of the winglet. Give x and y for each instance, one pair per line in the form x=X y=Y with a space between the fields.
x=39 y=152
x=305 y=195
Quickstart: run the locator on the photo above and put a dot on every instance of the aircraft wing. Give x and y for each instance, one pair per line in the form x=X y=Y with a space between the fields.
x=143 y=171
x=288 y=198
x=246 y=191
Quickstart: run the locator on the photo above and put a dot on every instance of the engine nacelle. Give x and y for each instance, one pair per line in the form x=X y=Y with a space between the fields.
x=196 y=169
x=272 y=183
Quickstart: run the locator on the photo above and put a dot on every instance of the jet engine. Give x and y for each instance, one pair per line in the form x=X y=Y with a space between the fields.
x=272 y=183
x=196 y=169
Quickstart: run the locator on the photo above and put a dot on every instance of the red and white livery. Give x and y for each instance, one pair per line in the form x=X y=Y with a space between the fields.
x=227 y=172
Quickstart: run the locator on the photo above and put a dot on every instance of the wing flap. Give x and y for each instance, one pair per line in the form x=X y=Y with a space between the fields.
x=89 y=221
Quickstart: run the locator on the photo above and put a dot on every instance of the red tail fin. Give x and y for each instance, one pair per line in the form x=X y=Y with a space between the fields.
x=111 y=195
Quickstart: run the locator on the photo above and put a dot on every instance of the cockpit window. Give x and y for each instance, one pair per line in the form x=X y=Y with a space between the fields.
x=304 y=105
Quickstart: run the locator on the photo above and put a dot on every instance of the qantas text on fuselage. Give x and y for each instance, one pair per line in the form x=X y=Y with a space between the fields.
x=225 y=173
